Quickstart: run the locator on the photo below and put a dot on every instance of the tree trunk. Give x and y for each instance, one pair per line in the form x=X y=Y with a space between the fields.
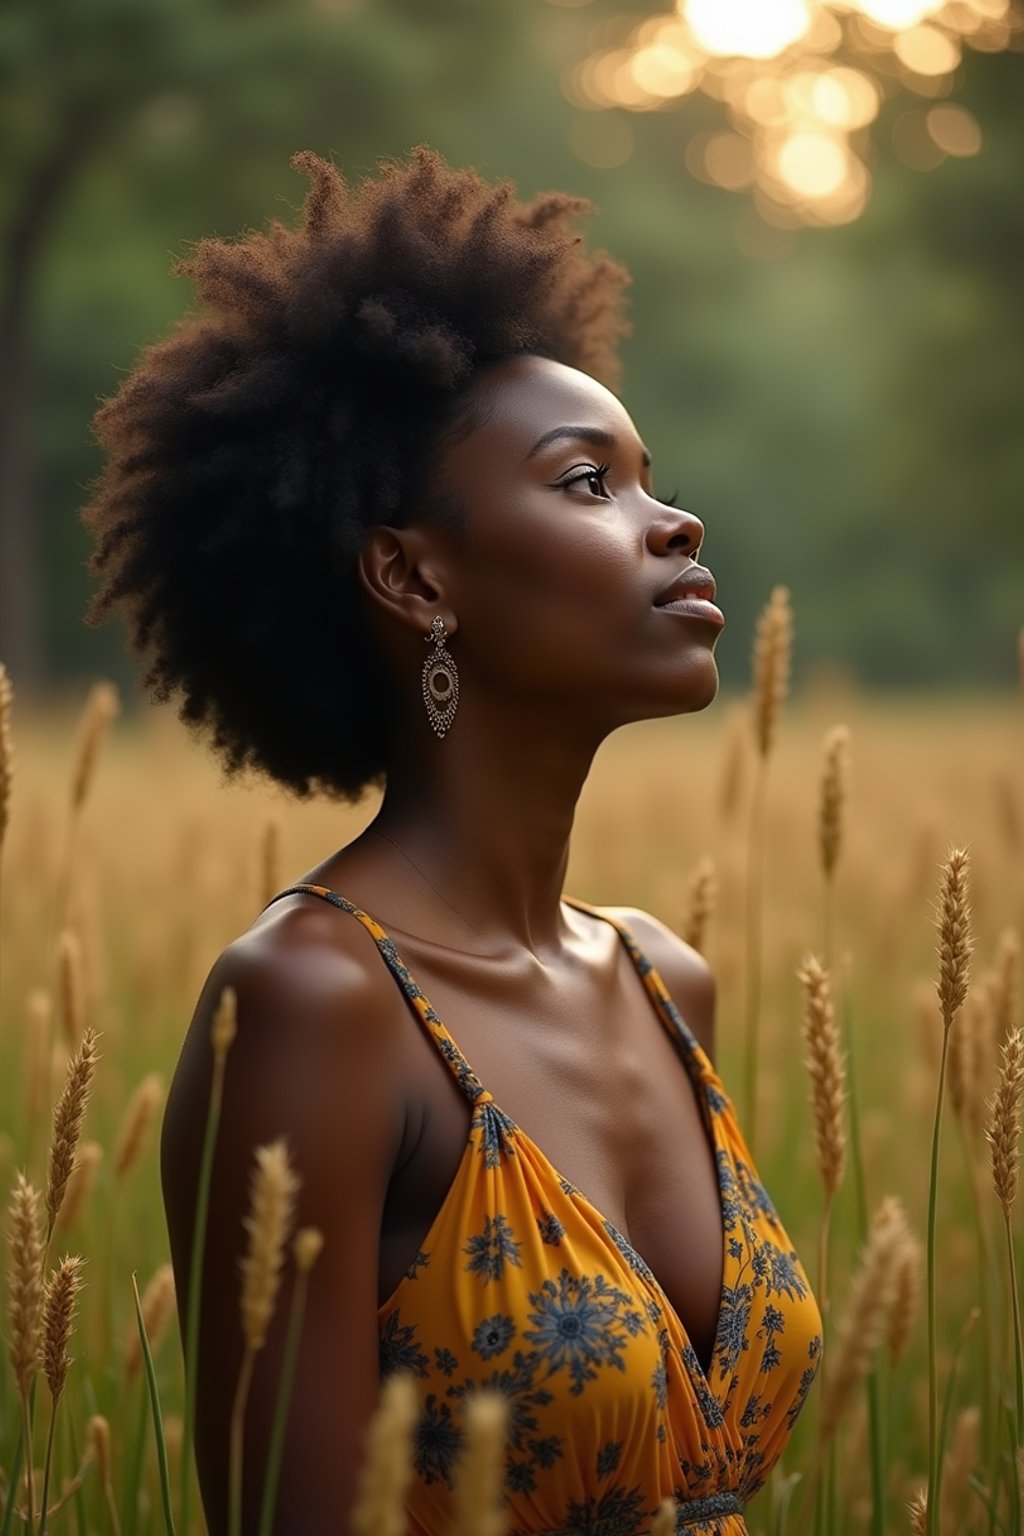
x=21 y=648
x=21 y=606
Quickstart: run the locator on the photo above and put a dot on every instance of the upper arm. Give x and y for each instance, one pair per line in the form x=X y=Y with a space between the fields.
x=684 y=970
x=312 y=1061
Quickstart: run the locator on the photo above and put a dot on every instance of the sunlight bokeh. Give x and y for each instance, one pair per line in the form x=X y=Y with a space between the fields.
x=802 y=83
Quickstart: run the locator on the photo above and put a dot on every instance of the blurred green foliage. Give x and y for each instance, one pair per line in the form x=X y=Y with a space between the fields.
x=841 y=410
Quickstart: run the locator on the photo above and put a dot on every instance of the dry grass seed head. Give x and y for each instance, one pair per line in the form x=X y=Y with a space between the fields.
x=960 y=1461
x=954 y=928
x=270 y=859
x=827 y=1070
x=1003 y=1133
x=273 y=1191
x=62 y=1288
x=225 y=1023
x=39 y=1007
x=773 y=644
x=479 y=1479
x=906 y=1303
x=733 y=762
x=68 y=1115
x=157 y=1304
x=100 y=709
x=387 y=1468
x=834 y=795
x=918 y=1510
x=97 y=1442
x=309 y=1242
x=865 y=1320
x=701 y=896
x=138 y=1117
x=24 y=1281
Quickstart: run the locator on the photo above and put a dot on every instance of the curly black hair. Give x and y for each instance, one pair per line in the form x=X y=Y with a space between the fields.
x=249 y=453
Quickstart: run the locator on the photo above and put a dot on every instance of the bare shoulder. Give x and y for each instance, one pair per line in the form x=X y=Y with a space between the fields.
x=684 y=970
x=315 y=1061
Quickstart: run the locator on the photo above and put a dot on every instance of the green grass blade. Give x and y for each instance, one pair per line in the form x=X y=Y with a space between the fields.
x=154 y=1402
x=195 y=1285
x=284 y=1392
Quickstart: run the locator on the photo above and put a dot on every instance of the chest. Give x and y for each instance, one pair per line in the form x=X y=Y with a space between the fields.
x=591 y=1074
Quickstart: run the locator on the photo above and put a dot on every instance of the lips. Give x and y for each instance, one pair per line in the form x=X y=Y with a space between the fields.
x=695 y=581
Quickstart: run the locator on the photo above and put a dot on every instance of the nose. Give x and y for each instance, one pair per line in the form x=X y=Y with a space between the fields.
x=672 y=529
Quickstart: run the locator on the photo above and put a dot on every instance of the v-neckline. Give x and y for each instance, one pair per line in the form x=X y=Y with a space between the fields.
x=657 y=992
x=688 y=1049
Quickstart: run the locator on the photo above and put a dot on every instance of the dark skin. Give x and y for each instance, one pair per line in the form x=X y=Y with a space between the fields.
x=547 y=596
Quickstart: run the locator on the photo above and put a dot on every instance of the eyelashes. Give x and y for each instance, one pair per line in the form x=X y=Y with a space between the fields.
x=599 y=472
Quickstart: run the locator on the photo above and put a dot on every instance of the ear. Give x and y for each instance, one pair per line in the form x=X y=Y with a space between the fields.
x=401 y=570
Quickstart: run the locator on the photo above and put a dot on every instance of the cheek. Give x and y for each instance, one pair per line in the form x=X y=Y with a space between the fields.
x=562 y=576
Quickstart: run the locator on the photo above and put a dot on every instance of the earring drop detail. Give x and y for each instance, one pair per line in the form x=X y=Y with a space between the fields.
x=440 y=681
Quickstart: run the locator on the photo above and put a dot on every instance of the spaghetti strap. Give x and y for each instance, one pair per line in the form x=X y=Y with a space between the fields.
x=468 y=1082
x=521 y=1283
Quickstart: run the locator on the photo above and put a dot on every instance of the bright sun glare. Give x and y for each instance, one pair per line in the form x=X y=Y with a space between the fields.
x=801 y=81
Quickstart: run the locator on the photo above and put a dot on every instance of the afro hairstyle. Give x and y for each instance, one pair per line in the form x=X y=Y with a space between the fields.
x=303 y=403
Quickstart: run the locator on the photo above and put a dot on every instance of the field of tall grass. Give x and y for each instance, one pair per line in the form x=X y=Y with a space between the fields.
x=845 y=885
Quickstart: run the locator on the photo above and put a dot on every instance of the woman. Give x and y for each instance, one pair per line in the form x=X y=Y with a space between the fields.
x=378 y=521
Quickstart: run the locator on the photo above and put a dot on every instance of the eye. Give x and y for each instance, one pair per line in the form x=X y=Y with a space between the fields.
x=668 y=501
x=593 y=477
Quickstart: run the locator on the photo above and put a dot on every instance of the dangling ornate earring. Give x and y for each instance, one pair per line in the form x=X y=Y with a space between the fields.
x=440 y=680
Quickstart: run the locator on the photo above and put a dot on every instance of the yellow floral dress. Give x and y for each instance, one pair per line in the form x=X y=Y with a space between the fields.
x=523 y=1286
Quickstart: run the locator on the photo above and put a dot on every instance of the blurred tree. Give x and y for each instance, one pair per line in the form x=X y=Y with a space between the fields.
x=86 y=80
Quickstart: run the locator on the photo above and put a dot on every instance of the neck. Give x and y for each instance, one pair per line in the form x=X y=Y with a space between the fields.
x=486 y=816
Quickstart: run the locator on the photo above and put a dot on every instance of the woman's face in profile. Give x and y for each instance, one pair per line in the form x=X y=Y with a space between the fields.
x=559 y=577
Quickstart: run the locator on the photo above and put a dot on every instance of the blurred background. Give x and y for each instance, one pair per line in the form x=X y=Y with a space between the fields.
x=821 y=205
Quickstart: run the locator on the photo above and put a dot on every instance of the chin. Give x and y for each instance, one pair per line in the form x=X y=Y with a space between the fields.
x=697 y=688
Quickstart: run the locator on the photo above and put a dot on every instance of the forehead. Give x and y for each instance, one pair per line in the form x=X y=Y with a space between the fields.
x=525 y=398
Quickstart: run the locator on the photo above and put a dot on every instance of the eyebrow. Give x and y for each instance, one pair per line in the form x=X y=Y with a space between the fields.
x=597 y=436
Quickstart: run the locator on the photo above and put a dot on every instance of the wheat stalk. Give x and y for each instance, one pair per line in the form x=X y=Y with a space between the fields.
x=907 y=1300
x=1003 y=1133
x=24 y=1306
x=138 y=1117
x=865 y=1320
x=477 y=1503
x=700 y=903
x=772 y=648
x=270 y=860
x=827 y=1071
x=954 y=930
x=62 y=1288
x=101 y=707
x=733 y=763
x=157 y=1307
x=953 y=923
x=386 y=1470
x=68 y=1115
x=97 y=1439
x=959 y=1462
x=24 y=1282
x=834 y=795
x=773 y=645
x=273 y=1190
x=58 y=1320
x=664 y=1522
